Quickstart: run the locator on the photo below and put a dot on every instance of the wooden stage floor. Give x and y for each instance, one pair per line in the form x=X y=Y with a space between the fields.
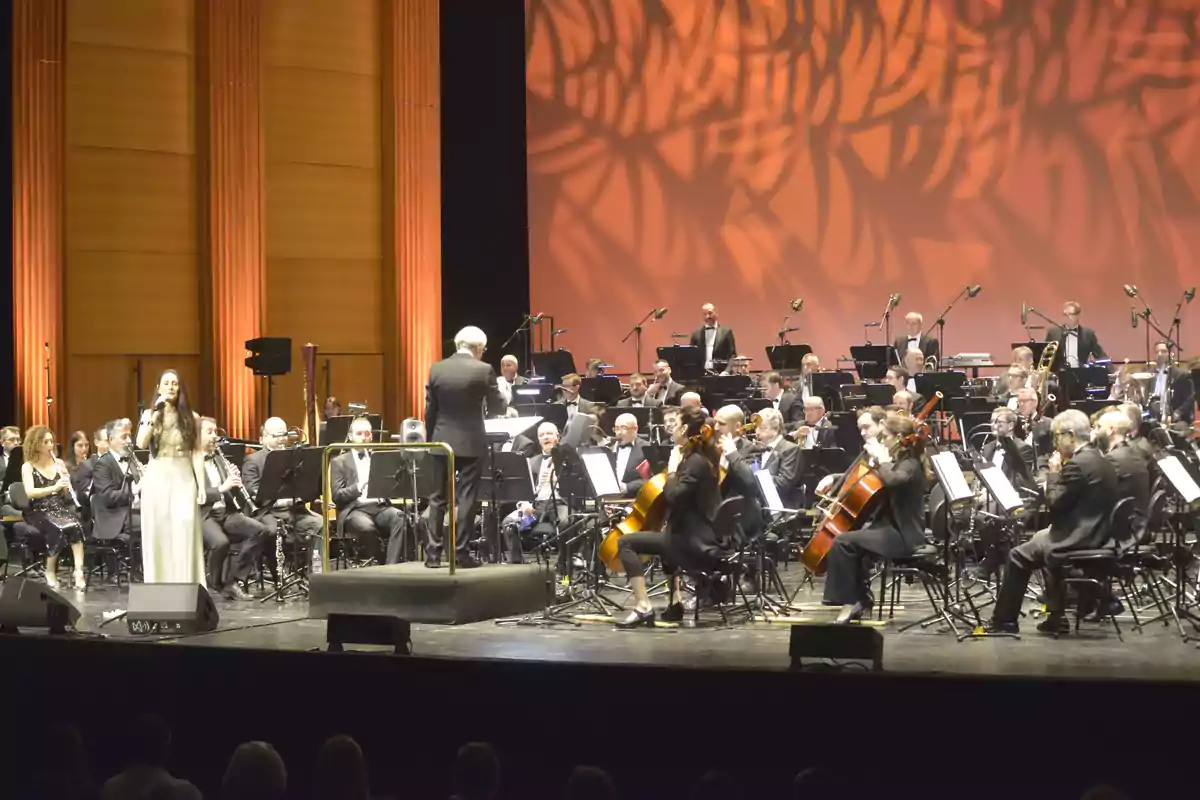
x=1157 y=653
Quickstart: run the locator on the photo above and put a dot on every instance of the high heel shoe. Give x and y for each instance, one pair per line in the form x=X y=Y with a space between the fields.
x=52 y=581
x=637 y=618
x=80 y=580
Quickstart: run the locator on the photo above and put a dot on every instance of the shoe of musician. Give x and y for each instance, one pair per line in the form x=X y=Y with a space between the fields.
x=852 y=613
x=235 y=592
x=80 y=580
x=672 y=613
x=637 y=618
x=466 y=562
x=1055 y=625
x=433 y=562
x=995 y=626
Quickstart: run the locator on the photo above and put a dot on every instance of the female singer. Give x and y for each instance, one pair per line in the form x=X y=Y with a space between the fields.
x=692 y=495
x=172 y=487
x=896 y=530
x=51 y=506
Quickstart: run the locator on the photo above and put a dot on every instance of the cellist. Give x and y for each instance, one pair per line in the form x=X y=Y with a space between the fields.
x=895 y=530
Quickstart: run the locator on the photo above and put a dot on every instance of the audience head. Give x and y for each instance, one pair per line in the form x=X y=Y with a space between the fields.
x=472 y=340
x=255 y=772
x=590 y=783
x=149 y=741
x=716 y=785
x=342 y=771
x=815 y=784
x=1103 y=791
x=476 y=772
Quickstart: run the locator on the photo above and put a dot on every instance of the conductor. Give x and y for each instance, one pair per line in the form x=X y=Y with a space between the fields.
x=461 y=390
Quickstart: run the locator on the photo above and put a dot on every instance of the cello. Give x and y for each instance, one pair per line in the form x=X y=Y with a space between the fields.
x=860 y=495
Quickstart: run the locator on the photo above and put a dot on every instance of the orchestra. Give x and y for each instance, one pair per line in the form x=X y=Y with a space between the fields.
x=789 y=441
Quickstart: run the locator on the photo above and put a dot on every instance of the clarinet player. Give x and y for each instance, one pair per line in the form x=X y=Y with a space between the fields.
x=222 y=524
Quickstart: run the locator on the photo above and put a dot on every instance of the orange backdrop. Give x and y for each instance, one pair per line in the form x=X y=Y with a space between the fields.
x=749 y=152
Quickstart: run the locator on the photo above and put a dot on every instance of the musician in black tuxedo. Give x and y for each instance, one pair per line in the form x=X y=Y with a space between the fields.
x=1013 y=456
x=303 y=527
x=1076 y=344
x=737 y=454
x=1136 y=435
x=779 y=457
x=786 y=402
x=895 y=530
x=570 y=398
x=508 y=380
x=627 y=454
x=1133 y=473
x=816 y=430
x=115 y=496
x=714 y=340
x=1034 y=429
x=365 y=518
x=1081 y=489
x=638 y=396
x=664 y=389
x=1176 y=383
x=222 y=524
x=461 y=392
x=914 y=338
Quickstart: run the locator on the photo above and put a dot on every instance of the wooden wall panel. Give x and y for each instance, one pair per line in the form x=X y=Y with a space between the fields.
x=131 y=205
x=356 y=377
x=321 y=117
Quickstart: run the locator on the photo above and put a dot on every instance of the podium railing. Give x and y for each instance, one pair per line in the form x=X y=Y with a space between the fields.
x=327 y=487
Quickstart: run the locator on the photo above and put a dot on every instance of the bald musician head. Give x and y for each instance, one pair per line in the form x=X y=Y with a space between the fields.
x=690 y=399
x=274 y=434
x=810 y=363
x=547 y=437
x=710 y=314
x=625 y=429
x=508 y=368
x=1023 y=357
x=913 y=322
x=729 y=420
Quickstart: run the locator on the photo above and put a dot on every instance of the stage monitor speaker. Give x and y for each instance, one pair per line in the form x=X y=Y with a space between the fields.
x=269 y=355
x=836 y=643
x=29 y=604
x=180 y=608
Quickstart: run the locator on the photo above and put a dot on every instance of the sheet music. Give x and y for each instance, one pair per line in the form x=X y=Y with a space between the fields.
x=510 y=425
x=1180 y=478
x=1001 y=488
x=945 y=464
x=767 y=483
x=600 y=470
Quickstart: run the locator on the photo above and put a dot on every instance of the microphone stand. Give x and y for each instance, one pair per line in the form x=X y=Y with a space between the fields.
x=784 y=330
x=886 y=324
x=526 y=327
x=1152 y=324
x=1177 y=321
x=940 y=324
x=637 y=334
x=49 y=389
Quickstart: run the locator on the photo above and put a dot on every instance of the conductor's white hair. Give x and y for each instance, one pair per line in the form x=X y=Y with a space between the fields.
x=470 y=336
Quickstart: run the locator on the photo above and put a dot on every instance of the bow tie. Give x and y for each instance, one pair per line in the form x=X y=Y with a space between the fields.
x=362 y=455
x=710 y=327
x=212 y=457
x=124 y=459
x=624 y=446
x=1074 y=331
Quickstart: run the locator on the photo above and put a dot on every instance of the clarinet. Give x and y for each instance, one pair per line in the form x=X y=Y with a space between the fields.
x=238 y=497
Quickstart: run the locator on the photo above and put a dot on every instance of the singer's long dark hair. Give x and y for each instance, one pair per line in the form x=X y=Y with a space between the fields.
x=187 y=419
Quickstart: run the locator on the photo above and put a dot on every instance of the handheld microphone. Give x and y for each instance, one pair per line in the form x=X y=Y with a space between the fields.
x=1130 y=290
x=660 y=313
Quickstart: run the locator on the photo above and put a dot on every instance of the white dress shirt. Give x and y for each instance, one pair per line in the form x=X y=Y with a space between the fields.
x=1071 y=344
x=362 y=464
x=1160 y=384
x=545 y=476
x=623 y=452
x=505 y=388
x=770 y=451
x=710 y=339
x=124 y=467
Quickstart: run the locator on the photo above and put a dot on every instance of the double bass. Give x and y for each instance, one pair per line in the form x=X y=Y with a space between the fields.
x=860 y=495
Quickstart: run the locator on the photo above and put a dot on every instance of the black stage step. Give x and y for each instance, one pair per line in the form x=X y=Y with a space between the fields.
x=418 y=594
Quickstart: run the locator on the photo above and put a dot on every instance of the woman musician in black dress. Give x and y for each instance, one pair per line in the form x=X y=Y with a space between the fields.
x=693 y=495
x=897 y=528
x=52 y=506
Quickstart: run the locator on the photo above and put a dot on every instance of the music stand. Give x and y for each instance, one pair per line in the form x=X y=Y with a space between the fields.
x=553 y=365
x=337 y=429
x=604 y=389
x=1185 y=486
x=948 y=382
x=826 y=385
x=579 y=430
x=685 y=360
x=292 y=473
x=609 y=418
x=787 y=356
x=872 y=360
x=532 y=395
x=407 y=475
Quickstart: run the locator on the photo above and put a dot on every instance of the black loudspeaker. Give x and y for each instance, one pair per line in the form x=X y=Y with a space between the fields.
x=269 y=355
x=836 y=643
x=28 y=604
x=181 y=608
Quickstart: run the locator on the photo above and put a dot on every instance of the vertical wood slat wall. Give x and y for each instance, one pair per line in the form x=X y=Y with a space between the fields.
x=152 y=179
x=412 y=159
x=39 y=47
x=229 y=55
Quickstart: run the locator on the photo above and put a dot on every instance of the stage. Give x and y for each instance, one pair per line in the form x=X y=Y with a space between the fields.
x=1157 y=653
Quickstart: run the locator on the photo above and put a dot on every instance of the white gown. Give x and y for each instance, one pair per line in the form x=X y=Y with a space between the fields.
x=172 y=543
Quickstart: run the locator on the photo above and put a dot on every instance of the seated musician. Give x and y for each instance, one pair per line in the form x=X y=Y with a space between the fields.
x=904 y=401
x=1081 y=489
x=897 y=377
x=809 y=366
x=665 y=390
x=738 y=365
x=548 y=504
x=638 y=397
x=914 y=362
x=628 y=456
x=1136 y=435
x=782 y=400
x=779 y=457
x=116 y=497
x=1171 y=385
x=902 y=380
x=693 y=400
x=508 y=379
x=222 y=524
x=365 y=518
x=714 y=340
x=897 y=527
x=736 y=457
x=1034 y=428
x=870 y=426
x=595 y=368
x=692 y=495
x=1015 y=460
x=570 y=398
x=817 y=430
x=1015 y=379
x=304 y=527
x=1133 y=473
